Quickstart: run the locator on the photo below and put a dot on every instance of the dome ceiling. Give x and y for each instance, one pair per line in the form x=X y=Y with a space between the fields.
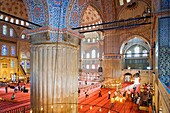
x=90 y=16
x=14 y=7
x=134 y=9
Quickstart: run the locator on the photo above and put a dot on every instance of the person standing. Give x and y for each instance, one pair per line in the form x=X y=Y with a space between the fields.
x=78 y=92
x=86 y=94
x=6 y=89
x=100 y=94
x=112 y=100
x=109 y=93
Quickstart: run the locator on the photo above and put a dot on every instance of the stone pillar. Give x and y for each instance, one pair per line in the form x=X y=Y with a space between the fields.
x=54 y=75
x=112 y=67
x=101 y=43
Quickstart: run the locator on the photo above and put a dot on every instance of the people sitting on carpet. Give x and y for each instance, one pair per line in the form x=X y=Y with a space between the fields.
x=13 y=96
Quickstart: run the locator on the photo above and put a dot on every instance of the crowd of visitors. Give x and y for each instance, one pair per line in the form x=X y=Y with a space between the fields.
x=16 y=88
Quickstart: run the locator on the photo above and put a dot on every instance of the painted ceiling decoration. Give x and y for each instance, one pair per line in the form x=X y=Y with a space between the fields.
x=73 y=14
x=134 y=9
x=91 y=16
x=14 y=7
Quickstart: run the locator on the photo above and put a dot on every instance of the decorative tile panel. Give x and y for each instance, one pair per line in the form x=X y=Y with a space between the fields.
x=164 y=46
x=164 y=31
x=164 y=61
x=164 y=4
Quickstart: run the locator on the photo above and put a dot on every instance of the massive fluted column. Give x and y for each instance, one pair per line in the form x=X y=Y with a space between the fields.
x=54 y=74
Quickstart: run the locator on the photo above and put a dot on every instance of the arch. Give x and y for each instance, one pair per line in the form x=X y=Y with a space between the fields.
x=128 y=74
x=76 y=11
x=122 y=48
x=95 y=11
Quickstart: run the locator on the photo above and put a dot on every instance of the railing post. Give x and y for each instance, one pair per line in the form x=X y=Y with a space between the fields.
x=24 y=110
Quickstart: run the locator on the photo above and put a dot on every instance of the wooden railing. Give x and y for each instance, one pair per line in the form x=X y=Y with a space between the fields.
x=165 y=94
x=22 y=109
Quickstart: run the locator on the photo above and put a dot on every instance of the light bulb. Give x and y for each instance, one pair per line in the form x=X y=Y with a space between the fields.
x=90 y=107
x=41 y=108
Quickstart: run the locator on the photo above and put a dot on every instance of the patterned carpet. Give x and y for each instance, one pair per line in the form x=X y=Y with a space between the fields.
x=95 y=104
x=91 y=104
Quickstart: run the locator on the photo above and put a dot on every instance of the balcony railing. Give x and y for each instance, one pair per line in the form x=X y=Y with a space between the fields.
x=165 y=92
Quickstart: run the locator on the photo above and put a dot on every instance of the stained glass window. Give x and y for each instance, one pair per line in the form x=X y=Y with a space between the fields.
x=28 y=64
x=13 y=50
x=12 y=63
x=4 y=50
x=23 y=63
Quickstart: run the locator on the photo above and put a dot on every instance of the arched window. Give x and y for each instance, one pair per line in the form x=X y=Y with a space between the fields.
x=128 y=1
x=17 y=21
x=12 y=63
x=93 y=53
x=129 y=54
x=87 y=66
x=12 y=20
x=88 y=40
x=6 y=18
x=23 y=36
x=27 y=24
x=136 y=51
x=87 y=55
x=94 y=40
x=93 y=66
x=144 y=53
x=22 y=22
x=4 y=30
x=4 y=50
x=11 y=32
x=97 y=55
x=13 y=50
x=121 y=2
x=2 y=16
